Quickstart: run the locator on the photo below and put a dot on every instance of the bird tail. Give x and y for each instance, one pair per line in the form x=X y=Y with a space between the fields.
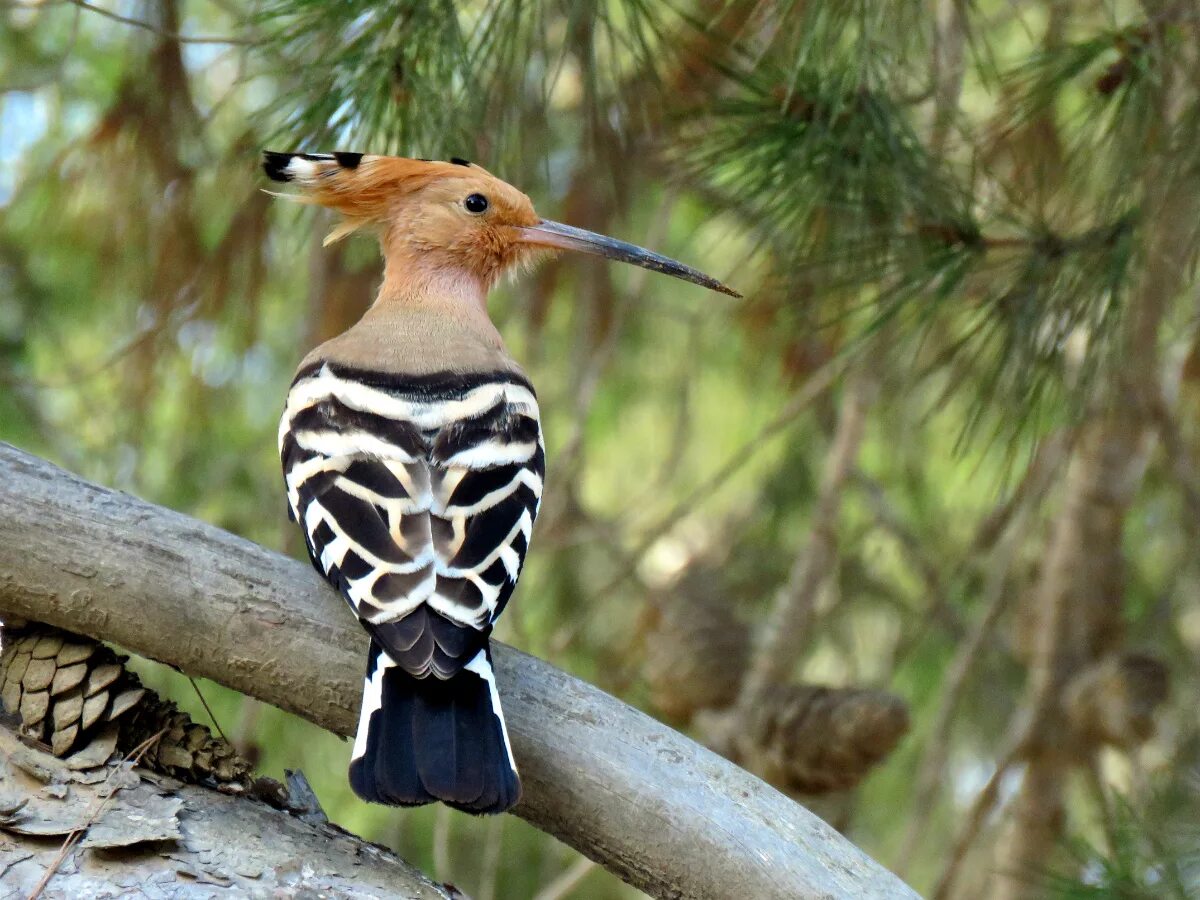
x=422 y=740
x=361 y=187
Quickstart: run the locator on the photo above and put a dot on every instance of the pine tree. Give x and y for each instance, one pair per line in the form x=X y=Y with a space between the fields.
x=941 y=457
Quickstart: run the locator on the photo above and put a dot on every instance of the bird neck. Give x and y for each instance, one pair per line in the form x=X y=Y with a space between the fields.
x=425 y=277
x=427 y=281
x=434 y=302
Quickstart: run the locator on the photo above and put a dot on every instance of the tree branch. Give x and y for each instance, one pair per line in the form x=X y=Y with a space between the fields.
x=784 y=634
x=652 y=806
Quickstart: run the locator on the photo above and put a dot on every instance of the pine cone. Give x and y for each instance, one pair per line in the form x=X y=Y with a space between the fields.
x=696 y=650
x=808 y=739
x=1114 y=701
x=76 y=696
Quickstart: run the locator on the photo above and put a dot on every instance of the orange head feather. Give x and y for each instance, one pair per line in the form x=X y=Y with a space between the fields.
x=445 y=217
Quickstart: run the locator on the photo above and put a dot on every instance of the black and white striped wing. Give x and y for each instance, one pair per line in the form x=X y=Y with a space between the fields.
x=417 y=498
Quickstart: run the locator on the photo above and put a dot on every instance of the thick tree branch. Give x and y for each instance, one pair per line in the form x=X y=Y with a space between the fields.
x=647 y=803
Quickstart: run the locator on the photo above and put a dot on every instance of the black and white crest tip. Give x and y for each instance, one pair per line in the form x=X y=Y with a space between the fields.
x=289 y=166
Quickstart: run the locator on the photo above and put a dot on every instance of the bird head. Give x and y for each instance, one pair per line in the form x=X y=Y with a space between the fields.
x=453 y=216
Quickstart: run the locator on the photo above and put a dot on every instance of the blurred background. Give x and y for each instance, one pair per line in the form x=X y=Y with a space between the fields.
x=911 y=531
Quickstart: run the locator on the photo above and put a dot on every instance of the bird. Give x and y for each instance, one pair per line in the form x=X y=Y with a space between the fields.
x=414 y=460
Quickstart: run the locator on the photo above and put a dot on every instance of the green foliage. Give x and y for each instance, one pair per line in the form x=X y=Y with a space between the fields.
x=443 y=78
x=1141 y=860
x=345 y=65
x=970 y=234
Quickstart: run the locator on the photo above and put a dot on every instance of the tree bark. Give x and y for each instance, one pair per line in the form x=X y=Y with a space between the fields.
x=157 y=836
x=655 y=808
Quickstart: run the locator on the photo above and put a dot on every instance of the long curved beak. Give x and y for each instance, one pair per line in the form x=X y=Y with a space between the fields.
x=564 y=237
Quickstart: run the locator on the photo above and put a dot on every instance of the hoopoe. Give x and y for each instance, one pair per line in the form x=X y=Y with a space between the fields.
x=413 y=458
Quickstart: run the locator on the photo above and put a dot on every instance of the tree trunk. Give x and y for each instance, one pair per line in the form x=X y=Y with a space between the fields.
x=1076 y=618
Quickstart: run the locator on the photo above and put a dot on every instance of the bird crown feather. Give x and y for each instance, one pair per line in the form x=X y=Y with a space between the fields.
x=362 y=188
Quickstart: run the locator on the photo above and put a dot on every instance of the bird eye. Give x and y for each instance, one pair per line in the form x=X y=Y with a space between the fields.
x=476 y=204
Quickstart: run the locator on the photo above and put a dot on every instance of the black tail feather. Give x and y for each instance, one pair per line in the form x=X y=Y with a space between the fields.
x=424 y=739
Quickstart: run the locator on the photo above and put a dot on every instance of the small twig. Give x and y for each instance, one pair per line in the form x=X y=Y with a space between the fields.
x=1095 y=781
x=178 y=316
x=604 y=353
x=1181 y=465
x=677 y=444
x=817 y=385
x=56 y=70
x=950 y=38
x=784 y=635
x=931 y=772
x=1045 y=464
x=161 y=32
x=596 y=603
x=135 y=756
x=887 y=519
x=441 y=843
x=489 y=867
x=985 y=801
x=1002 y=530
x=208 y=709
x=567 y=881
